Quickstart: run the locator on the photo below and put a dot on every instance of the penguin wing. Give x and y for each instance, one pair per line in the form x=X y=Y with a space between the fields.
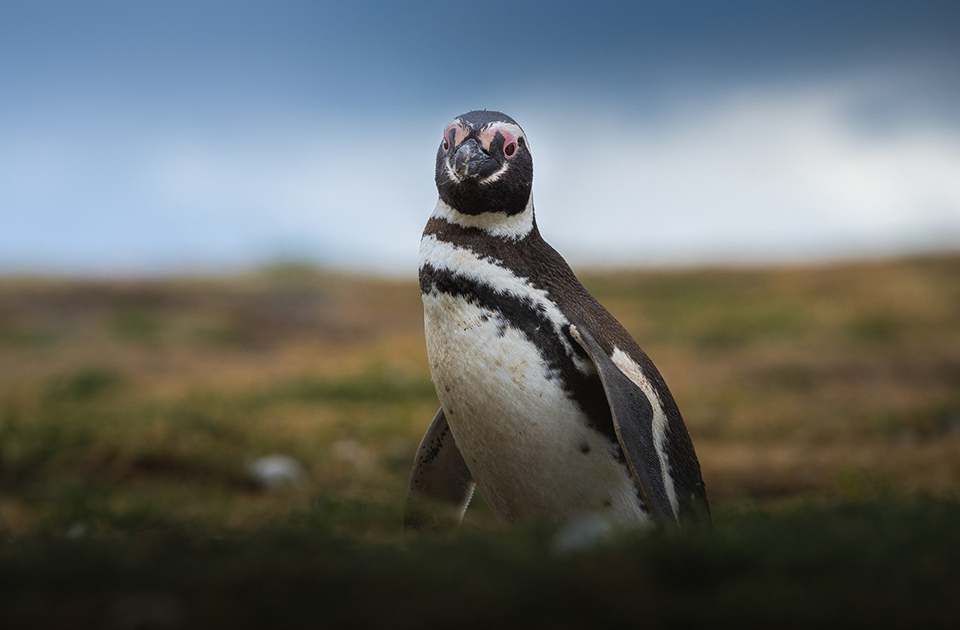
x=633 y=421
x=440 y=484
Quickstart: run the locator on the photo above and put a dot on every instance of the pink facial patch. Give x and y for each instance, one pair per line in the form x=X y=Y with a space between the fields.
x=459 y=135
x=488 y=135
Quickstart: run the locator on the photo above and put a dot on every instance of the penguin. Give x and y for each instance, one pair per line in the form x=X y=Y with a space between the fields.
x=547 y=404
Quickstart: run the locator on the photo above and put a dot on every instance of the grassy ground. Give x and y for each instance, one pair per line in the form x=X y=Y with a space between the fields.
x=824 y=404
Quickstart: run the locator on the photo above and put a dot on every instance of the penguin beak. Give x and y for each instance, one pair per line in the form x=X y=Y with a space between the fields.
x=472 y=162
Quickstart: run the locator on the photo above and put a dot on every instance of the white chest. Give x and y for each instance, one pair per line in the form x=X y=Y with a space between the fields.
x=526 y=442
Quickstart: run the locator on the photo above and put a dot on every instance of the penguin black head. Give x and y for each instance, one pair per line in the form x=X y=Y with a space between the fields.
x=484 y=164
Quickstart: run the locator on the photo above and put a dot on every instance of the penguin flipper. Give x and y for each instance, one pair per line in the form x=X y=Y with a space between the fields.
x=633 y=418
x=440 y=484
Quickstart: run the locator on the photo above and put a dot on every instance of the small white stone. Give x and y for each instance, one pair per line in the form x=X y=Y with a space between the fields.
x=77 y=530
x=582 y=533
x=277 y=471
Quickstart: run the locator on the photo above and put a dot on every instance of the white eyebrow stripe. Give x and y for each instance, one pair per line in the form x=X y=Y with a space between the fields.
x=514 y=130
x=499 y=124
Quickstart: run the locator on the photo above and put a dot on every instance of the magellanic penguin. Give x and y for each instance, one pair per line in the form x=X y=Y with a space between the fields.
x=547 y=404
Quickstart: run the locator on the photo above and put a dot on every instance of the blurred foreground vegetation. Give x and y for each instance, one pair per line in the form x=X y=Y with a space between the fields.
x=824 y=403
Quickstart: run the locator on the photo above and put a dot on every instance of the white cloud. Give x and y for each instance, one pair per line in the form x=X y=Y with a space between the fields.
x=758 y=174
x=360 y=195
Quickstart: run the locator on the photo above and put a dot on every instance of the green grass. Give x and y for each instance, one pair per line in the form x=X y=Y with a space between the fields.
x=880 y=563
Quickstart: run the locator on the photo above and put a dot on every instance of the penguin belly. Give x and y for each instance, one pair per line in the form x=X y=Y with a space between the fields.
x=528 y=445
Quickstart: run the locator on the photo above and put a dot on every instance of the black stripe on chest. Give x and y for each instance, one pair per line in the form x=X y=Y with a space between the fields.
x=529 y=318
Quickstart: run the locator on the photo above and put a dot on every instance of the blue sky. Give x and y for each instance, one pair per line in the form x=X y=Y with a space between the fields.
x=157 y=137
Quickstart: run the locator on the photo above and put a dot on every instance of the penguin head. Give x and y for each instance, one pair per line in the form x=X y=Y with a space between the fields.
x=484 y=164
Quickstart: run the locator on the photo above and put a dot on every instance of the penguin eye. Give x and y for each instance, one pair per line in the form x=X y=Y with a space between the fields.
x=495 y=134
x=449 y=135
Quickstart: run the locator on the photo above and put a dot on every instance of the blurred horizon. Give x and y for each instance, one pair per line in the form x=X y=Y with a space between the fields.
x=150 y=139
